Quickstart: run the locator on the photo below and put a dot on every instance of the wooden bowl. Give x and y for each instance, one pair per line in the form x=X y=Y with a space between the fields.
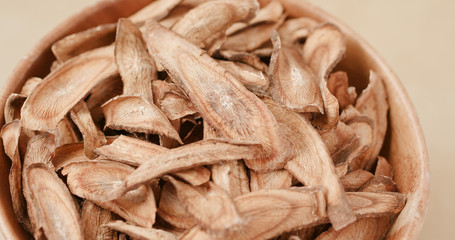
x=404 y=145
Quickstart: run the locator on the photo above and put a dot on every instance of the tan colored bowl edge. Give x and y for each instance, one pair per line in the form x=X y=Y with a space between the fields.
x=405 y=144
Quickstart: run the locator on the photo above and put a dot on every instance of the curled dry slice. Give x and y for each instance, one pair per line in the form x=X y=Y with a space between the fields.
x=311 y=163
x=338 y=85
x=156 y=10
x=367 y=228
x=253 y=79
x=93 y=218
x=40 y=149
x=67 y=154
x=140 y=233
x=220 y=99
x=10 y=135
x=65 y=87
x=355 y=179
x=296 y=29
x=383 y=168
x=379 y=184
x=215 y=17
x=340 y=142
x=292 y=83
x=92 y=180
x=30 y=85
x=369 y=204
x=222 y=215
x=372 y=102
x=135 y=114
x=93 y=137
x=195 y=176
x=172 y=100
x=364 y=128
x=65 y=133
x=13 y=106
x=232 y=177
x=172 y=210
x=101 y=93
x=280 y=179
x=247 y=58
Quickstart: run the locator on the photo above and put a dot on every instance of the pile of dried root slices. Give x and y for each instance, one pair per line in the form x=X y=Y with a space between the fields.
x=201 y=120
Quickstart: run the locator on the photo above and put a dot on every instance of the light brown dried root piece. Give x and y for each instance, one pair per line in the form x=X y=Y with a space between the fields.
x=176 y=14
x=93 y=137
x=172 y=210
x=311 y=163
x=252 y=37
x=172 y=100
x=372 y=102
x=195 y=176
x=367 y=228
x=363 y=127
x=323 y=49
x=220 y=99
x=253 y=79
x=383 y=168
x=338 y=85
x=10 y=135
x=156 y=10
x=270 y=13
x=67 y=154
x=80 y=42
x=215 y=17
x=13 y=106
x=369 y=204
x=232 y=177
x=295 y=29
x=379 y=184
x=101 y=93
x=39 y=150
x=247 y=58
x=222 y=215
x=280 y=179
x=65 y=87
x=30 y=85
x=93 y=218
x=292 y=83
x=140 y=233
x=355 y=179
x=65 y=132
x=341 y=169
x=92 y=180
x=135 y=114
x=340 y=142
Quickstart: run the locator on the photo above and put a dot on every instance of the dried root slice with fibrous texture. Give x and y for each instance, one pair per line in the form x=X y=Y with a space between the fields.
x=172 y=210
x=253 y=79
x=372 y=102
x=134 y=110
x=93 y=179
x=340 y=142
x=295 y=29
x=51 y=208
x=93 y=218
x=220 y=99
x=355 y=179
x=195 y=176
x=311 y=163
x=383 y=168
x=65 y=133
x=293 y=84
x=30 y=85
x=200 y=153
x=280 y=179
x=215 y=17
x=140 y=233
x=246 y=58
x=93 y=137
x=338 y=85
x=367 y=228
x=232 y=177
x=156 y=10
x=62 y=89
x=100 y=94
x=172 y=100
x=323 y=49
x=379 y=184
x=13 y=106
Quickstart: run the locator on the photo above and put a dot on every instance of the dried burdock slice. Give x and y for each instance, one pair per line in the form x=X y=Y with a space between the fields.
x=176 y=14
x=323 y=49
x=338 y=85
x=341 y=169
x=210 y=206
x=369 y=204
x=135 y=114
x=340 y=142
x=101 y=93
x=10 y=135
x=383 y=168
x=93 y=137
x=80 y=42
x=140 y=233
x=295 y=29
x=93 y=218
x=156 y=10
x=65 y=87
x=232 y=177
x=292 y=83
x=355 y=179
x=215 y=17
x=30 y=85
x=270 y=13
x=363 y=127
x=253 y=79
x=131 y=151
x=220 y=99
x=195 y=176
x=372 y=102
x=40 y=149
x=172 y=100
x=93 y=179
x=252 y=37
x=51 y=207
x=247 y=58
x=311 y=163
x=280 y=179
x=13 y=106
x=379 y=184
x=367 y=228
x=65 y=133
x=263 y=52
x=172 y=210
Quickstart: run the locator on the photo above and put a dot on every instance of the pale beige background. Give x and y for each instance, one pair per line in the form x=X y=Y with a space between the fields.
x=416 y=37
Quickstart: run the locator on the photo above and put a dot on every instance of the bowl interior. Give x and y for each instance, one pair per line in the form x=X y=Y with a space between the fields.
x=404 y=144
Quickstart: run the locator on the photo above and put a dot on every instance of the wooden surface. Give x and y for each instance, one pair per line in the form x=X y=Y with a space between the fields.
x=415 y=38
